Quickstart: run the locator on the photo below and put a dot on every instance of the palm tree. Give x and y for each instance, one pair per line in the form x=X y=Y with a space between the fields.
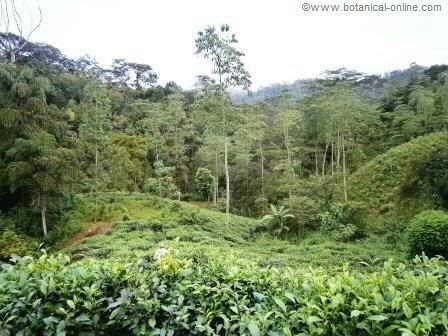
x=277 y=220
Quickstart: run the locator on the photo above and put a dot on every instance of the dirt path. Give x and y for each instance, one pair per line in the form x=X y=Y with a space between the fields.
x=90 y=231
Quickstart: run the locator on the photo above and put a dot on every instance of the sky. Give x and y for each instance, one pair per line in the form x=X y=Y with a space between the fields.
x=282 y=42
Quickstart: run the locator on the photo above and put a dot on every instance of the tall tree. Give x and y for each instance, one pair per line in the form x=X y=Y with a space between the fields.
x=39 y=163
x=94 y=130
x=218 y=46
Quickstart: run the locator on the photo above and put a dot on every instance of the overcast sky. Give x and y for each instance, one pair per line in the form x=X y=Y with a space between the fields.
x=282 y=42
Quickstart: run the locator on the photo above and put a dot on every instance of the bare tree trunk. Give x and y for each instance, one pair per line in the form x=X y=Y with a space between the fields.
x=157 y=152
x=96 y=181
x=316 y=162
x=262 y=170
x=344 y=169
x=338 y=146
x=226 y=162
x=332 y=159
x=324 y=159
x=43 y=213
x=216 y=188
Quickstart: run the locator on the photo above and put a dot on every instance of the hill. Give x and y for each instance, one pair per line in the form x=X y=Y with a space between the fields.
x=390 y=185
x=370 y=85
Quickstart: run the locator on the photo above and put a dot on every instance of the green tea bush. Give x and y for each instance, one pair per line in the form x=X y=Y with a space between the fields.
x=193 y=217
x=429 y=234
x=139 y=225
x=52 y=296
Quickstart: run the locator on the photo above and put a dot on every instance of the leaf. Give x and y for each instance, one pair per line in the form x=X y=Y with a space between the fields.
x=355 y=313
x=253 y=329
x=114 y=304
x=280 y=303
x=83 y=318
x=407 y=310
x=377 y=318
x=258 y=296
x=290 y=296
x=114 y=313
x=71 y=304
x=44 y=288
x=406 y=332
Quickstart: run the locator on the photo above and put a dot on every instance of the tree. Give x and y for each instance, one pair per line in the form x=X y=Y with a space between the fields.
x=13 y=18
x=134 y=75
x=38 y=145
x=43 y=166
x=204 y=182
x=218 y=47
x=163 y=184
x=278 y=219
x=94 y=130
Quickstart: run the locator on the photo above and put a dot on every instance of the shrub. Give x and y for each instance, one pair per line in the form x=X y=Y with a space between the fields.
x=261 y=204
x=343 y=221
x=52 y=296
x=169 y=264
x=12 y=243
x=193 y=217
x=305 y=211
x=140 y=225
x=429 y=234
x=347 y=233
x=203 y=182
x=156 y=225
x=162 y=186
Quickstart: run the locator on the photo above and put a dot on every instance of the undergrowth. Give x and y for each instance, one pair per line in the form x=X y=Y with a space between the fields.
x=141 y=224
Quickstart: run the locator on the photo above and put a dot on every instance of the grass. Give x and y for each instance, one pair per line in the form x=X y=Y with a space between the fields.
x=141 y=224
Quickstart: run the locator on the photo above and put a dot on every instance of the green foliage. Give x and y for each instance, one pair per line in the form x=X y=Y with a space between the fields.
x=163 y=184
x=343 y=221
x=218 y=46
x=140 y=225
x=435 y=171
x=278 y=221
x=305 y=211
x=53 y=296
x=12 y=244
x=169 y=264
x=193 y=217
x=204 y=182
x=428 y=234
x=390 y=185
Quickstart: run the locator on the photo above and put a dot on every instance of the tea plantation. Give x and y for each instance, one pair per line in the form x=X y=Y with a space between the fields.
x=216 y=279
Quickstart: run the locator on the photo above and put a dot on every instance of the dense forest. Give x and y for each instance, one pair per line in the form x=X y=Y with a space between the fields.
x=71 y=126
x=344 y=168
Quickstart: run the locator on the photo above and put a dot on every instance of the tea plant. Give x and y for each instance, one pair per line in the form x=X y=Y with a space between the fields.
x=52 y=296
